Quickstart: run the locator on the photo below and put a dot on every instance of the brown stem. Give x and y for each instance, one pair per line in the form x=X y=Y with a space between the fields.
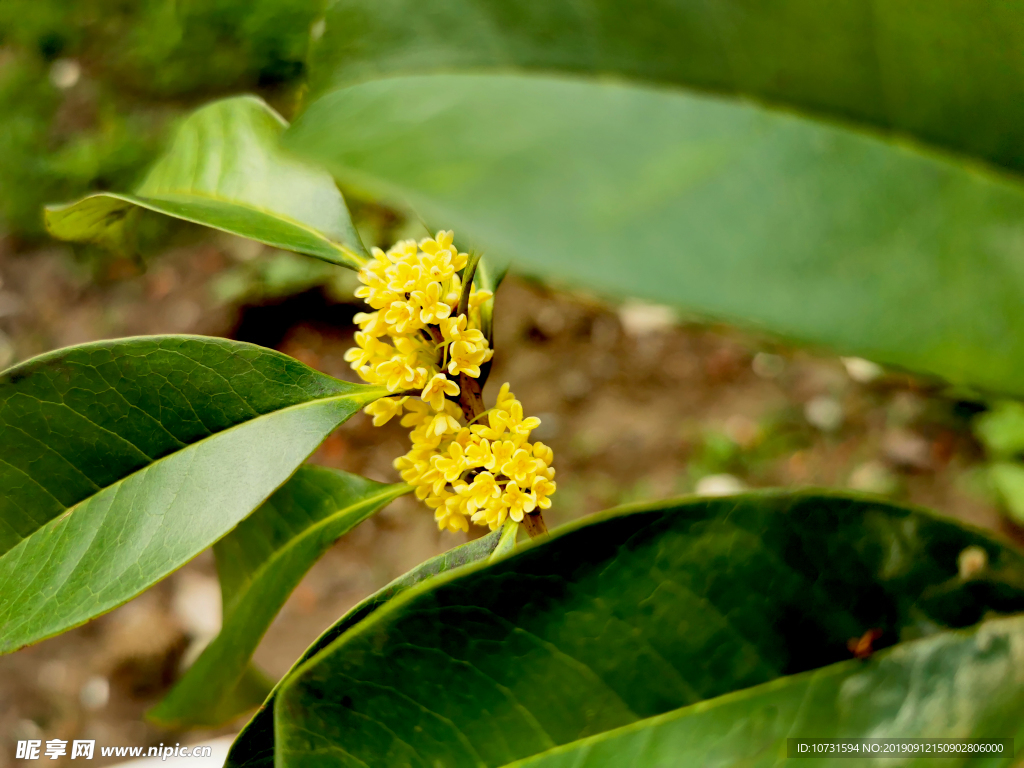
x=470 y=397
x=534 y=524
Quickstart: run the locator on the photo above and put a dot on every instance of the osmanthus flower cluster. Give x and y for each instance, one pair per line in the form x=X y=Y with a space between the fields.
x=424 y=339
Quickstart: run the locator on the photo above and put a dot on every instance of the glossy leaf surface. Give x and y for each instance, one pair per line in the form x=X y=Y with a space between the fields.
x=254 y=747
x=225 y=170
x=628 y=616
x=962 y=683
x=122 y=460
x=944 y=71
x=259 y=564
x=810 y=231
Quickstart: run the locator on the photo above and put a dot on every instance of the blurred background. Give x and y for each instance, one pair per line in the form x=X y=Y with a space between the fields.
x=638 y=402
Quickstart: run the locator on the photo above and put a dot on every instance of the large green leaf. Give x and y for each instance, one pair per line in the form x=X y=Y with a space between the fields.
x=627 y=616
x=254 y=747
x=811 y=231
x=122 y=460
x=259 y=564
x=945 y=71
x=225 y=170
x=952 y=685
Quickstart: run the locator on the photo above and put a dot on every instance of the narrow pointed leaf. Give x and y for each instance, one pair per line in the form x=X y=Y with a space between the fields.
x=224 y=170
x=122 y=460
x=254 y=747
x=944 y=71
x=961 y=684
x=628 y=616
x=808 y=230
x=260 y=563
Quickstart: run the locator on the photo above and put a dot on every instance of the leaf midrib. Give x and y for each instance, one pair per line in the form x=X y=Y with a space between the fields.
x=389 y=493
x=175 y=196
x=69 y=510
x=892 y=137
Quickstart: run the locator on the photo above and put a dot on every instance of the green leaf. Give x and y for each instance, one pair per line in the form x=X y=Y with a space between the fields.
x=1008 y=479
x=631 y=615
x=947 y=72
x=224 y=170
x=254 y=747
x=260 y=563
x=950 y=685
x=811 y=231
x=1001 y=429
x=122 y=460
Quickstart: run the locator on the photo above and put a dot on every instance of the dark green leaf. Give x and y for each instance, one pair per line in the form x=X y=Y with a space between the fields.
x=945 y=71
x=810 y=231
x=627 y=616
x=225 y=170
x=254 y=747
x=952 y=685
x=122 y=460
x=259 y=564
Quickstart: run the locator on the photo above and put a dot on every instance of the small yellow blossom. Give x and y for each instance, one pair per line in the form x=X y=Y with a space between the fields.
x=478 y=454
x=480 y=492
x=385 y=409
x=521 y=467
x=436 y=389
x=433 y=308
x=519 y=502
x=467 y=357
x=542 y=452
x=454 y=329
x=442 y=424
x=477 y=298
x=452 y=465
x=404 y=316
x=542 y=488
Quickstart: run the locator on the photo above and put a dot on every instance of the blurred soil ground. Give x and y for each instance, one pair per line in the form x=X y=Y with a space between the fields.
x=636 y=404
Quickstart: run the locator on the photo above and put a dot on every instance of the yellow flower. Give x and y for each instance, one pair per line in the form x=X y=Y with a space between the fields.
x=542 y=488
x=439 y=386
x=419 y=413
x=467 y=358
x=480 y=492
x=371 y=323
x=432 y=308
x=478 y=454
x=396 y=374
x=516 y=423
x=441 y=242
x=519 y=502
x=521 y=467
x=454 y=329
x=505 y=397
x=543 y=453
x=404 y=316
x=404 y=277
x=449 y=518
x=369 y=350
x=476 y=298
x=442 y=424
x=451 y=466
x=385 y=409
x=491 y=514
x=411 y=286
x=502 y=452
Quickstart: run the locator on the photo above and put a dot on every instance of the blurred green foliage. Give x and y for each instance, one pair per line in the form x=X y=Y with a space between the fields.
x=88 y=88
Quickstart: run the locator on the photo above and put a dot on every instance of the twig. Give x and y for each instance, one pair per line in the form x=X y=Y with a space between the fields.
x=534 y=524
